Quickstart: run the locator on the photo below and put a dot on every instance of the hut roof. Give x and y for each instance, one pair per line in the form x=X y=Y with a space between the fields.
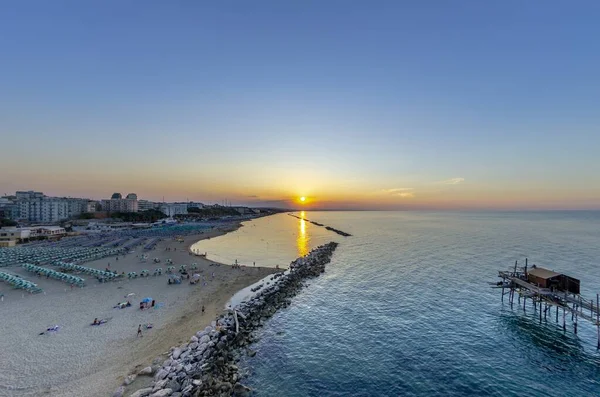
x=540 y=272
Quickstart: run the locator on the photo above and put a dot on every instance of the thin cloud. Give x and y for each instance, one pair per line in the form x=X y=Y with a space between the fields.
x=397 y=190
x=253 y=196
x=453 y=181
x=404 y=192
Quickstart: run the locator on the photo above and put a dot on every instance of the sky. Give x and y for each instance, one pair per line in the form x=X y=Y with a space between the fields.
x=351 y=104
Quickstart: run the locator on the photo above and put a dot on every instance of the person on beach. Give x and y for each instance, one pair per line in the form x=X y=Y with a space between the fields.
x=96 y=322
x=202 y=309
x=139 y=333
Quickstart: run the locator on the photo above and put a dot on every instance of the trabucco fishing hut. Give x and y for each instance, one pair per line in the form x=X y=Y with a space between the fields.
x=546 y=289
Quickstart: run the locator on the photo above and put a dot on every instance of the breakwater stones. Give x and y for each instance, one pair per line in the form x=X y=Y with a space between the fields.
x=341 y=233
x=206 y=365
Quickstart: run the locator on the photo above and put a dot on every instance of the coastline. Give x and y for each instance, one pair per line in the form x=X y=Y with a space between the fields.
x=93 y=361
x=205 y=366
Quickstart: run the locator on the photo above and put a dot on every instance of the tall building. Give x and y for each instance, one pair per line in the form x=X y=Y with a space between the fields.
x=36 y=207
x=46 y=209
x=119 y=204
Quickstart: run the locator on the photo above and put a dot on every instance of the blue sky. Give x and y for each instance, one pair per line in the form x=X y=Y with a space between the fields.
x=340 y=101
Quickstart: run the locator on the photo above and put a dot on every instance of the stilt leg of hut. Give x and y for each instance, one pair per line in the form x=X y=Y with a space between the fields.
x=556 y=313
x=502 y=299
x=575 y=325
x=564 y=319
x=540 y=310
x=524 y=301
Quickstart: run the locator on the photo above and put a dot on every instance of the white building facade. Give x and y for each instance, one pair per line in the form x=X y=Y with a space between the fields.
x=171 y=209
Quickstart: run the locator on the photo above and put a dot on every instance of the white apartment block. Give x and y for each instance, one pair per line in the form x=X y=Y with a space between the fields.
x=44 y=209
x=171 y=209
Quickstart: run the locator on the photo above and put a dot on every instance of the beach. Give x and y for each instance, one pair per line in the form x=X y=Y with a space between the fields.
x=83 y=360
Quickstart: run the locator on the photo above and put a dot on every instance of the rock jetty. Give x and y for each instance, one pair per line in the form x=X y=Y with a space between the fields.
x=206 y=365
x=340 y=232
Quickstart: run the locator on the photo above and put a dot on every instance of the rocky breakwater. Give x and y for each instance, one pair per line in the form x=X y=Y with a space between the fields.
x=331 y=229
x=206 y=366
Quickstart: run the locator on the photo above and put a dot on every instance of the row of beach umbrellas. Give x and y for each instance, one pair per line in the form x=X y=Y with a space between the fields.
x=19 y=283
x=67 y=278
x=100 y=274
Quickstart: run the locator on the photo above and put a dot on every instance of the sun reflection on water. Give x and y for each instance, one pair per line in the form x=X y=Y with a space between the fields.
x=302 y=239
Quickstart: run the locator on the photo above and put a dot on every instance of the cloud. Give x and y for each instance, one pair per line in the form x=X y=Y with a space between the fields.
x=453 y=181
x=397 y=190
x=404 y=192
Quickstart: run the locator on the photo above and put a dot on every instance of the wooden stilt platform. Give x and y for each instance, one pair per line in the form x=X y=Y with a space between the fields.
x=548 y=289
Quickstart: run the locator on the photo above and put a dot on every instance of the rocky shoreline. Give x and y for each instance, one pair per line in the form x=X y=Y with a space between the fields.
x=206 y=365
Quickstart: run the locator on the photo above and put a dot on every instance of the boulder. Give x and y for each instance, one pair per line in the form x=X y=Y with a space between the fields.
x=146 y=371
x=162 y=393
x=193 y=339
x=159 y=385
x=160 y=375
x=240 y=390
x=142 y=392
x=204 y=339
x=176 y=353
x=174 y=385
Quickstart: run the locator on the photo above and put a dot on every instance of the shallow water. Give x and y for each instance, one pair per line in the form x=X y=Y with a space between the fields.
x=270 y=241
x=405 y=309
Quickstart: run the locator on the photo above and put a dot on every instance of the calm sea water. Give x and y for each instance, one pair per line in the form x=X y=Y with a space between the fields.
x=404 y=309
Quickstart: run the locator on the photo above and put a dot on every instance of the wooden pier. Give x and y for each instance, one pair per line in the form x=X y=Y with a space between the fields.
x=547 y=289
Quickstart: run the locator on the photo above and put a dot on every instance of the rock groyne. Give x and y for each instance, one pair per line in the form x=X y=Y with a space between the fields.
x=340 y=232
x=206 y=365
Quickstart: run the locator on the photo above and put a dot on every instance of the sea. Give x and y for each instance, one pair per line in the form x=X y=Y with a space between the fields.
x=405 y=308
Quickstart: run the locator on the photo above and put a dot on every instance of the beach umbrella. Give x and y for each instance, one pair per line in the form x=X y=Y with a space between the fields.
x=147 y=300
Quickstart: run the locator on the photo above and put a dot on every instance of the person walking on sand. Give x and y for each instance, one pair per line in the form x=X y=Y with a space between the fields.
x=202 y=309
x=139 y=333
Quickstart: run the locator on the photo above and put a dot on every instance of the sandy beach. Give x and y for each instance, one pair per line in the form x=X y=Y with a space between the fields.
x=84 y=360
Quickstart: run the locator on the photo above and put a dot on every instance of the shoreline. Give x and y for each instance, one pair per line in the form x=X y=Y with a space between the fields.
x=92 y=361
x=205 y=366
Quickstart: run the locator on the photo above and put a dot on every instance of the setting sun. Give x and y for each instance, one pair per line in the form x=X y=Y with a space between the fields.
x=303 y=199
